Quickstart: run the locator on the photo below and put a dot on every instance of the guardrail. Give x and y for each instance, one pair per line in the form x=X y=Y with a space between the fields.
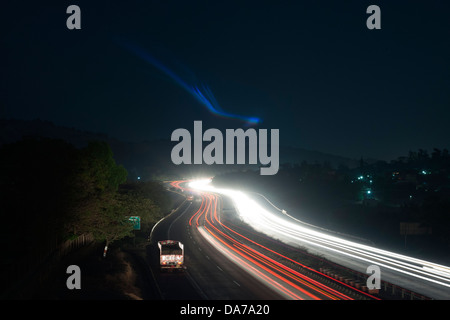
x=387 y=290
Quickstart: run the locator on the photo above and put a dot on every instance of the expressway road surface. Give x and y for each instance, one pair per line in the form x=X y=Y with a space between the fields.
x=423 y=277
x=222 y=263
x=209 y=275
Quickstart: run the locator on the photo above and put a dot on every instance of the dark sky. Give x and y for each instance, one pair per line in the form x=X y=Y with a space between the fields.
x=311 y=69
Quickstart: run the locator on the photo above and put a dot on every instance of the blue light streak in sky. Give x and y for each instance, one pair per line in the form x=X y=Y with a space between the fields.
x=201 y=92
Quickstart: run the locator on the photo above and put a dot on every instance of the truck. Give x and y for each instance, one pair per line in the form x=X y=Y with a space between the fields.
x=171 y=255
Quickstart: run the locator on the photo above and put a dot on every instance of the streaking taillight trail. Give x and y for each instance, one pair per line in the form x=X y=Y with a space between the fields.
x=290 y=230
x=240 y=249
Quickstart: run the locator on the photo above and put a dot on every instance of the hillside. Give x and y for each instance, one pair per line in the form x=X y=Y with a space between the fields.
x=147 y=159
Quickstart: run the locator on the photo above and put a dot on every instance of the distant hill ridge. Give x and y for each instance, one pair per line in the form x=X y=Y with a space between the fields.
x=142 y=158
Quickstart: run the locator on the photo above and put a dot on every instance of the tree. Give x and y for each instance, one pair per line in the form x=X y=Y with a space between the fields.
x=97 y=171
x=95 y=206
x=144 y=199
x=108 y=222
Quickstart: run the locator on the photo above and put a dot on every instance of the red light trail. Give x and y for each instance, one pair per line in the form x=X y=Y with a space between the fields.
x=242 y=250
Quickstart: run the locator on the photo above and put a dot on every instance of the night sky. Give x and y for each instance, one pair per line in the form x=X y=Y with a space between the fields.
x=311 y=69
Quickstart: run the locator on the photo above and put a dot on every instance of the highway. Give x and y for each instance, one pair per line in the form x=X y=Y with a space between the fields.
x=223 y=263
x=209 y=275
x=424 y=277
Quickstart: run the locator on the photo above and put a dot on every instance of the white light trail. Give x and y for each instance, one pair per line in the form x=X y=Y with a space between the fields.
x=291 y=231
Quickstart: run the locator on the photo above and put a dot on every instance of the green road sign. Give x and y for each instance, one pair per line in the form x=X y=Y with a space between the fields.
x=136 y=220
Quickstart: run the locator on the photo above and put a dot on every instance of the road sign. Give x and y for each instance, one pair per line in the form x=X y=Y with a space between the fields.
x=136 y=220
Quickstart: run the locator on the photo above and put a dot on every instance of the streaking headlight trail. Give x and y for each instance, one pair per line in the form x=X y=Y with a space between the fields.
x=260 y=262
x=293 y=232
